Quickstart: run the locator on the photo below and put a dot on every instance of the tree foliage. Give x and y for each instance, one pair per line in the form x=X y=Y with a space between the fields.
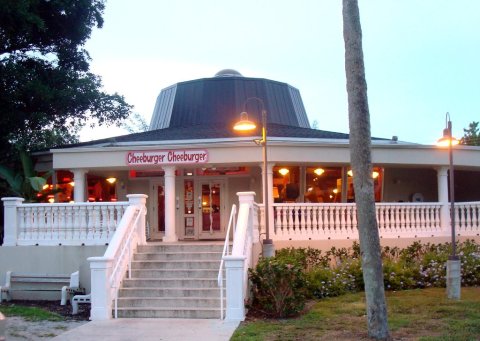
x=46 y=89
x=471 y=135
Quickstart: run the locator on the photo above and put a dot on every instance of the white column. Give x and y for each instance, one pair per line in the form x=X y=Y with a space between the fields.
x=140 y=200
x=442 y=183
x=170 y=225
x=100 y=271
x=235 y=305
x=344 y=184
x=79 y=188
x=10 y=221
x=270 y=194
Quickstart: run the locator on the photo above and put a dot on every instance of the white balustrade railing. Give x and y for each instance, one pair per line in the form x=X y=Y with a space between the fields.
x=240 y=260
x=108 y=271
x=225 y=252
x=467 y=218
x=64 y=224
x=306 y=221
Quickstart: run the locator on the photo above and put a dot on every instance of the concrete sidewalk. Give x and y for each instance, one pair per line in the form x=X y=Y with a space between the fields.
x=152 y=329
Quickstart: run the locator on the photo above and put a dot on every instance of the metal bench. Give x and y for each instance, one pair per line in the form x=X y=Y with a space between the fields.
x=67 y=284
x=79 y=299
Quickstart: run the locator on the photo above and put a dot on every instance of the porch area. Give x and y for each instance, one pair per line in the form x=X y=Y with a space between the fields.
x=118 y=232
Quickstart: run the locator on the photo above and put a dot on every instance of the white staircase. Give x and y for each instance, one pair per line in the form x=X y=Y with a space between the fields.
x=172 y=281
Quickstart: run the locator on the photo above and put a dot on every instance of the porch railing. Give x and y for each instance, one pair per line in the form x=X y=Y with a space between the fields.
x=64 y=224
x=108 y=271
x=226 y=252
x=296 y=221
x=240 y=260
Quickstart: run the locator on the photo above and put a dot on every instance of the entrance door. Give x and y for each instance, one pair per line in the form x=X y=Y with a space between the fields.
x=211 y=209
x=157 y=230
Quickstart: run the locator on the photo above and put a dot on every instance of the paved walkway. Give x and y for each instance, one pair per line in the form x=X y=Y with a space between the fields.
x=151 y=329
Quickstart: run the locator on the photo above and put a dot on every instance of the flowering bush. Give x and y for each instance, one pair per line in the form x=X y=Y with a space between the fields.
x=338 y=271
x=278 y=287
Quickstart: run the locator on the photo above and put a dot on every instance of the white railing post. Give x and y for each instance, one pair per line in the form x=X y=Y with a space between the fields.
x=101 y=268
x=234 y=266
x=10 y=225
x=140 y=200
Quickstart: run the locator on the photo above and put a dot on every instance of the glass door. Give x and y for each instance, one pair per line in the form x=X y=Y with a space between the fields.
x=211 y=209
x=157 y=228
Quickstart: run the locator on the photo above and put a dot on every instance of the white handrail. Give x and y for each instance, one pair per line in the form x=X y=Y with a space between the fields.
x=226 y=251
x=121 y=264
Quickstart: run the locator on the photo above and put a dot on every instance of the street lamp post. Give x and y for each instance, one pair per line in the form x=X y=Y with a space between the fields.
x=453 y=263
x=244 y=124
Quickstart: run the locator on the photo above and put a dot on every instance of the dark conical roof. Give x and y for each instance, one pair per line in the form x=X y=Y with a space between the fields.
x=221 y=99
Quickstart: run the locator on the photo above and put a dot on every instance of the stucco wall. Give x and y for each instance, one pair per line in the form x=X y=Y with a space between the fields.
x=49 y=259
x=401 y=183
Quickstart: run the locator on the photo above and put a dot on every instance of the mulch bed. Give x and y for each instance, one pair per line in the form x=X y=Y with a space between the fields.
x=55 y=307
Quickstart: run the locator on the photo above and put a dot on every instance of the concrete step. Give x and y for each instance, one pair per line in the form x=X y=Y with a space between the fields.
x=169 y=292
x=170 y=283
x=200 y=255
x=180 y=247
x=176 y=264
x=191 y=313
x=169 y=302
x=174 y=273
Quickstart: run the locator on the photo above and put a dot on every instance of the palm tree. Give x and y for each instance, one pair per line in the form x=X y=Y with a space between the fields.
x=361 y=162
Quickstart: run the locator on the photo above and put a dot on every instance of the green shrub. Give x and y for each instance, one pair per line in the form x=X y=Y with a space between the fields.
x=330 y=282
x=278 y=287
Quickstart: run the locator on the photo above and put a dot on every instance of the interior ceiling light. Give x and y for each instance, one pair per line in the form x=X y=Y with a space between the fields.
x=319 y=171
x=111 y=180
x=375 y=174
x=283 y=171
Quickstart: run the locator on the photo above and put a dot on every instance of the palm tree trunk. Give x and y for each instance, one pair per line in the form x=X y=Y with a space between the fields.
x=361 y=161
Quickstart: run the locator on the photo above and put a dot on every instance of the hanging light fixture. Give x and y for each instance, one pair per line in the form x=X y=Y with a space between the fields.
x=283 y=171
x=244 y=124
x=319 y=171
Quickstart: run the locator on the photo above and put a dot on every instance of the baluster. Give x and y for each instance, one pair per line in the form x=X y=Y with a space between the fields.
x=90 y=223
x=106 y=222
x=62 y=223
x=39 y=223
x=47 y=230
x=320 y=223
x=82 y=228
x=302 y=222
x=34 y=224
x=387 y=218
x=354 y=218
x=402 y=214
x=315 y=213
x=468 y=217
x=396 y=217
x=284 y=219
x=331 y=220
x=308 y=218
x=457 y=219
x=98 y=223
x=111 y=221
x=379 y=209
x=22 y=218
x=69 y=231
x=103 y=220
x=406 y=220
x=341 y=222
x=76 y=223
x=421 y=208
x=412 y=221
x=475 y=216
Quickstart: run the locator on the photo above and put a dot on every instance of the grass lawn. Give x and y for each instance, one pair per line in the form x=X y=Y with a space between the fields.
x=423 y=314
x=29 y=313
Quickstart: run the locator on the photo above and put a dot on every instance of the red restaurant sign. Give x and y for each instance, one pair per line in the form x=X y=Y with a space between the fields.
x=165 y=157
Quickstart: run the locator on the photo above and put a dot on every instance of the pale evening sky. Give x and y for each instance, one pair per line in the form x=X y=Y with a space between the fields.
x=421 y=57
